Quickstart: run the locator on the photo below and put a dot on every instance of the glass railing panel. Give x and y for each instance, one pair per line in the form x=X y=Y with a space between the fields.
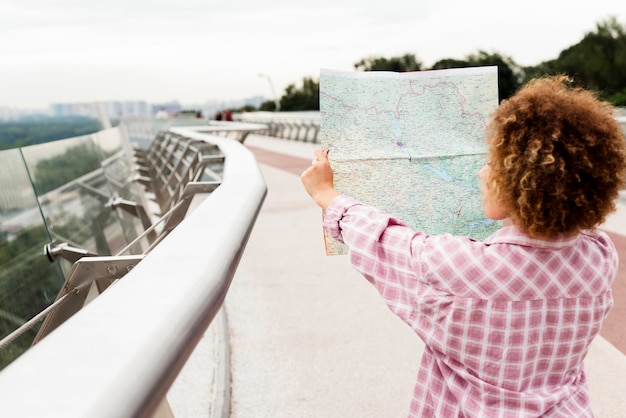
x=73 y=193
x=142 y=131
x=214 y=173
x=180 y=150
x=119 y=173
x=29 y=282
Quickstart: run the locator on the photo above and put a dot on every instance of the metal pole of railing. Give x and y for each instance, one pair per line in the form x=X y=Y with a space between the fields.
x=6 y=341
x=299 y=126
x=118 y=356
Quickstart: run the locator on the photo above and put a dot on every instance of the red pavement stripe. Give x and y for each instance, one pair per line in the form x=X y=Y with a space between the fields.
x=289 y=163
x=613 y=330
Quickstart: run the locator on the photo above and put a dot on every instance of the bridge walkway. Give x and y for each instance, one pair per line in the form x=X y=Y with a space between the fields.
x=309 y=337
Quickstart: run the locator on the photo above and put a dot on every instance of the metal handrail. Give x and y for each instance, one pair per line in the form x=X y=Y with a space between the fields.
x=298 y=126
x=119 y=355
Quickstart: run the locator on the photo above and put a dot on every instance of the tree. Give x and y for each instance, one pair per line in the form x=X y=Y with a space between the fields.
x=31 y=131
x=268 y=106
x=449 y=63
x=305 y=98
x=29 y=284
x=61 y=169
x=510 y=74
x=598 y=61
x=407 y=62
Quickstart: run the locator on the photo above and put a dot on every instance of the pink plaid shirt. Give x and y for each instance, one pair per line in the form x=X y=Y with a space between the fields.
x=506 y=322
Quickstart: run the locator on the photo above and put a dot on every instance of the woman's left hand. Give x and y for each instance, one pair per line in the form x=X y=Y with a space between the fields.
x=318 y=180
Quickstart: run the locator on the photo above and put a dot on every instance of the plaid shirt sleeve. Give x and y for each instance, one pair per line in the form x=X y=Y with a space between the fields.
x=506 y=322
x=379 y=247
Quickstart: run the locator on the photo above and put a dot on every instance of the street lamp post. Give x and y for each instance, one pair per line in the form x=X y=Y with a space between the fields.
x=276 y=101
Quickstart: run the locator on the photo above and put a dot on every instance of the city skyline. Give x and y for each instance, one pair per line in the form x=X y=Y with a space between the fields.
x=69 y=51
x=115 y=108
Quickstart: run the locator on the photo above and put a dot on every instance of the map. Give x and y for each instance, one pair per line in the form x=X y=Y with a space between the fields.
x=411 y=144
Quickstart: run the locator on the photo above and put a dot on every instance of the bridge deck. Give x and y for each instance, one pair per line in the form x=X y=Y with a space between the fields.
x=309 y=337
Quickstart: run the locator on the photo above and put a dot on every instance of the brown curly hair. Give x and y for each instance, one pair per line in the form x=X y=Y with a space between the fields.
x=557 y=158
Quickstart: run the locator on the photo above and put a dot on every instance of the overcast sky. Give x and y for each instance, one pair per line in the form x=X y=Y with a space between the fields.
x=198 y=50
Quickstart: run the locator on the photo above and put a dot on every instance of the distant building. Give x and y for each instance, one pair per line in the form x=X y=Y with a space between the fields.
x=74 y=109
x=113 y=109
x=140 y=108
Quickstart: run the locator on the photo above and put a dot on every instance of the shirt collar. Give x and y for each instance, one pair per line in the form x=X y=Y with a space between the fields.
x=514 y=235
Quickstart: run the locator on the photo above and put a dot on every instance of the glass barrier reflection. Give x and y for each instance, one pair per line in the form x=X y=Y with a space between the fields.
x=60 y=192
x=29 y=282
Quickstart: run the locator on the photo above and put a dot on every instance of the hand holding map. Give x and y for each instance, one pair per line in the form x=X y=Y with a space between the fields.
x=318 y=179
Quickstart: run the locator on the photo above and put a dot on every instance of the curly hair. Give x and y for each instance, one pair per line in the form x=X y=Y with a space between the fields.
x=557 y=158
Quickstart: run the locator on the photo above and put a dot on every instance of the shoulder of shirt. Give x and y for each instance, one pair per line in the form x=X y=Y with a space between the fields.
x=514 y=235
